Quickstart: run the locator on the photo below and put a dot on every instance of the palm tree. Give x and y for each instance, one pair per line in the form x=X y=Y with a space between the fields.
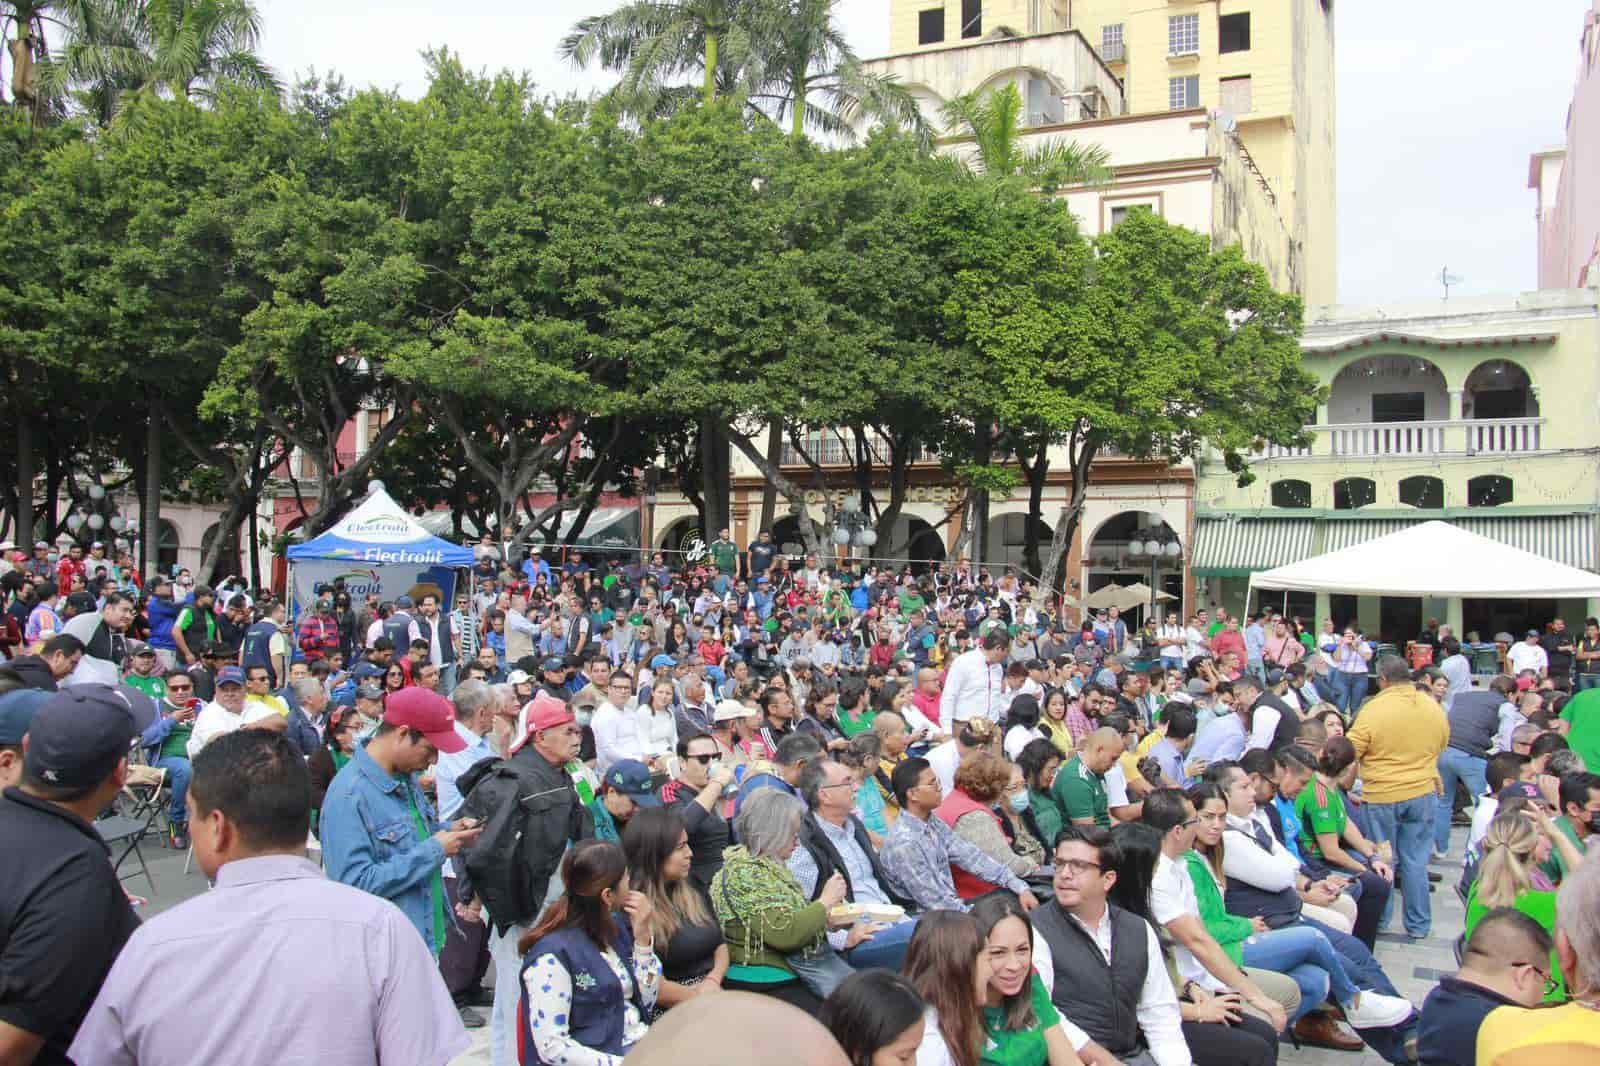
x=28 y=51
x=187 y=49
x=809 y=73
x=994 y=122
x=653 y=42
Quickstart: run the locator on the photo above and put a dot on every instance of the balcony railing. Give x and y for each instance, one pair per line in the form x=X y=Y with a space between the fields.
x=1486 y=436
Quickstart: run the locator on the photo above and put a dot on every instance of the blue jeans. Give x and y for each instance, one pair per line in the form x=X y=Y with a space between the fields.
x=1307 y=957
x=1408 y=826
x=1455 y=765
x=885 y=951
x=178 y=774
x=1172 y=662
x=1585 y=681
x=1365 y=972
x=1348 y=689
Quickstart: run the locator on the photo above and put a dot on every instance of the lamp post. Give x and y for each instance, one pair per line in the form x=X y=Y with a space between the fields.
x=853 y=527
x=1157 y=543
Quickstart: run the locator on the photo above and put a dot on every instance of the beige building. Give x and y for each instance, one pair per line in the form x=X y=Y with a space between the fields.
x=1266 y=71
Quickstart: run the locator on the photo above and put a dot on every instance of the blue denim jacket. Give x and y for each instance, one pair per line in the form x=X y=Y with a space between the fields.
x=369 y=839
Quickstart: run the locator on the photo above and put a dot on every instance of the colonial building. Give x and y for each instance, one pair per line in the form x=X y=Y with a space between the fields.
x=1477 y=412
x=1566 y=178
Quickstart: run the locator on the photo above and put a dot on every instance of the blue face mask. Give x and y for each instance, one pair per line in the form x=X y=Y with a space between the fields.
x=1018 y=801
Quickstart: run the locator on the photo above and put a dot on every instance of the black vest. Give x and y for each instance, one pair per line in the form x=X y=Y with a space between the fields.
x=1288 y=721
x=447 y=643
x=257 y=648
x=397 y=627
x=828 y=859
x=1105 y=1009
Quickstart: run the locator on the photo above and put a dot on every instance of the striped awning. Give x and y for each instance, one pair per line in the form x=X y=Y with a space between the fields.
x=1236 y=547
x=1568 y=539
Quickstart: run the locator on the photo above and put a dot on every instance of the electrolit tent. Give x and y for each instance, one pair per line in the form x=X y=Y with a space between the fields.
x=377 y=548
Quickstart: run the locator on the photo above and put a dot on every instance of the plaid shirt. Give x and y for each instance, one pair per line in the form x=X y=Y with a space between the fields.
x=916 y=859
x=317 y=636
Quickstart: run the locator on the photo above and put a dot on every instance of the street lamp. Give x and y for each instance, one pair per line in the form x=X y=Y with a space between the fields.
x=1157 y=542
x=853 y=527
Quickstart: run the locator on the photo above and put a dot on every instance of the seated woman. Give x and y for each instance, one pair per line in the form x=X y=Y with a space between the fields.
x=1053 y=722
x=694 y=960
x=1017 y=822
x=1024 y=725
x=765 y=917
x=981 y=780
x=862 y=758
x=877 y=1018
x=1039 y=762
x=978 y=1012
x=589 y=977
x=1521 y=837
x=1215 y=1026
x=1331 y=842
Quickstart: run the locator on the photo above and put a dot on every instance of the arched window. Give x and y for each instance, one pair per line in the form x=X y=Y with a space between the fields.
x=1422 y=491
x=1489 y=490
x=1353 y=492
x=167 y=549
x=228 y=564
x=1291 y=493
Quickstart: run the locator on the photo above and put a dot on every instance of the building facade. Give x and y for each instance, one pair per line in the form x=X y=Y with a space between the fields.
x=1265 y=69
x=1477 y=412
x=1566 y=178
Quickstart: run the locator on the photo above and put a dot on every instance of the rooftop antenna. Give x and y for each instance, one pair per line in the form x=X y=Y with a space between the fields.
x=1448 y=279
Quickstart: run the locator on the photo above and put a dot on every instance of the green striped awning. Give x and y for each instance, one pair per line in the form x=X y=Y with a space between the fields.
x=1568 y=539
x=1237 y=547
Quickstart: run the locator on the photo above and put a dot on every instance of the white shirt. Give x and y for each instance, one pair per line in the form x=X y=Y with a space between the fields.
x=658 y=733
x=1172 y=639
x=970 y=690
x=1525 y=656
x=1488 y=806
x=1263 y=726
x=1160 y=1019
x=1017 y=738
x=945 y=759
x=916 y=720
x=616 y=736
x=933 y=1051
x=212 y=722
x=1243 y=858
x=1194 y=646
x=1116 y=784
x=1172 y=897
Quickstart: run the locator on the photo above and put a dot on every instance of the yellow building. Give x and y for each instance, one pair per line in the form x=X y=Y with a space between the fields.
x=1266 y=66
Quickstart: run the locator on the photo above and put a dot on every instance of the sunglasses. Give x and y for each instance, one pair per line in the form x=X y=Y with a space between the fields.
x=704 y=760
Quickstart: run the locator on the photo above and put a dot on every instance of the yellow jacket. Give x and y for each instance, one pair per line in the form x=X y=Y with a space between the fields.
x=1398 y=736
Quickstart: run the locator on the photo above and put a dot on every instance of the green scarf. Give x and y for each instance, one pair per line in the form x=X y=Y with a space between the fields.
x=748 y=887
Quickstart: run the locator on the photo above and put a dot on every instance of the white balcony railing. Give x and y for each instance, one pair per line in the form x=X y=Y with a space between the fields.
x=1487 y=436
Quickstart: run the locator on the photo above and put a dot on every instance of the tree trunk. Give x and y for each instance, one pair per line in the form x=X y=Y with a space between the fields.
x=1035 y=473
x=709 y=89
x=790 y=491
x=150 y=506
x=713 y=477
x=769 y=494
x=982 y=454
x=253 y=530
x=1082 y=456
x=25 y=470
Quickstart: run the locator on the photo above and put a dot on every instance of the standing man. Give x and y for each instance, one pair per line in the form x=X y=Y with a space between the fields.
x=400 y=627
x=920 y=637
x=265 y=644
x=465 y=956
x=1473 y=717
x=65 y=914
x=1528 y=654
x=1560 y=651
x=104 y=646
x=440 y=633
x=530 y=799
x=319 y=631
x=1398 y=737
x=327 y=957
x=196 y=626
x=972 y=686
x=378 y=830
x=725 y=557
x=759 y=558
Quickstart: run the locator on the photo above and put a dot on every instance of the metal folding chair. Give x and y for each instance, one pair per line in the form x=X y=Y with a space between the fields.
x=124 y=832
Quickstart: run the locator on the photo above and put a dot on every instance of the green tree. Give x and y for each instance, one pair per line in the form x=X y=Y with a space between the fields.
x=993 y=119
x=652 y=43
x=1146 y=342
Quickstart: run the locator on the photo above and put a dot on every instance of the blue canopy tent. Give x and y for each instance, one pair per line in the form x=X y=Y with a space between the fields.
x=377 y=549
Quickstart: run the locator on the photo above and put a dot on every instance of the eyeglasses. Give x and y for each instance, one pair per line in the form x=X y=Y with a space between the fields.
x=1076 y=867
x=705 y=760
x=180 y=688
x=1550 y=983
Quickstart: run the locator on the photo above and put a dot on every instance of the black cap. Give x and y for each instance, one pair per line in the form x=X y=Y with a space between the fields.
x=77 y=738
x=81 y=602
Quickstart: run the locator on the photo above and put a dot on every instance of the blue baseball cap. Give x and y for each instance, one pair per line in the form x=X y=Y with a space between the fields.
x=662 y=660
x=79 y=734
x=632 y=778
x=230 y=675
x=17 y=710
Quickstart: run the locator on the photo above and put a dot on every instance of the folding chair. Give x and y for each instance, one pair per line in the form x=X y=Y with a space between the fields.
x=145 y=795
x=126 y=832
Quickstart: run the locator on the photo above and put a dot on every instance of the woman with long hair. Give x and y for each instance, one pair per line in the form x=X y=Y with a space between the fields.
x=657 y=727
x=1215 y=1026
x=948 y=964
x=589 y=976
x=877 y=1018
x=1053 y=721
x=1024 y=724
x=1517 y=842
x=694 y=959
x=1021 y=1026
x=677 y=642
x=394 y=678
x=337 y=747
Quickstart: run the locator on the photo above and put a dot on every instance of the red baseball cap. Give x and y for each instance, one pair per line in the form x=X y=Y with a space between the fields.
x=428 y=713
x=546 y=712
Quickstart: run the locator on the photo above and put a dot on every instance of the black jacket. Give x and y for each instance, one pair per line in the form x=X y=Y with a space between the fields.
x=829 y=861
x=29 y=671
x=530 y=812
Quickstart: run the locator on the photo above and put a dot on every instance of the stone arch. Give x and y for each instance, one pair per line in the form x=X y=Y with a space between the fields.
x=1378 y=388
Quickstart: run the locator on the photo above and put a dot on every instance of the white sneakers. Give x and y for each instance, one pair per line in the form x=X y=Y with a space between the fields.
x=1377 y=1011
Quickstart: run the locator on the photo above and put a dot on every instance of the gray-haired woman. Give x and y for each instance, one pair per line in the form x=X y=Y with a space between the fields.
x=773 y=931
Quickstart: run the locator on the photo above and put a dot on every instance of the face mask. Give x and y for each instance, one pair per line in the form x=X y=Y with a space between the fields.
x=582 y=717
x=1019 y=802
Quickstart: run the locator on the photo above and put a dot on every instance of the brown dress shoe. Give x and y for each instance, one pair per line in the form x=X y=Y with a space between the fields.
x=1318 y=1029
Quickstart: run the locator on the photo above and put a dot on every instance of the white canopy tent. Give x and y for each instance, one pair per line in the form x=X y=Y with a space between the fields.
x=1434 y=559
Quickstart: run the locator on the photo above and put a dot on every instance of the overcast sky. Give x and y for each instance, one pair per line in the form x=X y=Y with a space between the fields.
x=1439 y=107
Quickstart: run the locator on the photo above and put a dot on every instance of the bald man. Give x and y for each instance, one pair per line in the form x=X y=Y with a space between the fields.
x=749 y=1028
x=1080 y=786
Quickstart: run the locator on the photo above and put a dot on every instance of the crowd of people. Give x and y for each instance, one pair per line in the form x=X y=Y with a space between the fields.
x=597 y=797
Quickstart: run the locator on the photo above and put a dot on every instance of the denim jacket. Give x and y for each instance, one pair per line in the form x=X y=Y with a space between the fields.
x=369 y=839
